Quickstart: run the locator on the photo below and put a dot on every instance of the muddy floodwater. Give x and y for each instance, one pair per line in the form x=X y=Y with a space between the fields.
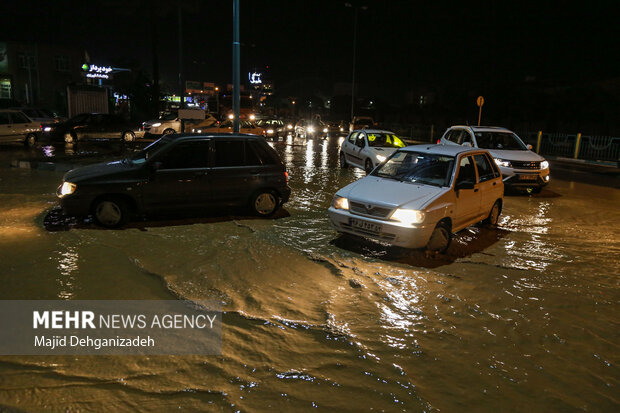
x=519 y=318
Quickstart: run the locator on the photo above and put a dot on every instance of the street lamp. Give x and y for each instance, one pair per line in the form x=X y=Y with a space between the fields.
x=217 y=101
x=356 y=9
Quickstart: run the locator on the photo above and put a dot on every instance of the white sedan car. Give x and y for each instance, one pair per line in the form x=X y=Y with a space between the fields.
x=420 y=196
x=366 y=149
x=17 y=127
x=520 y=167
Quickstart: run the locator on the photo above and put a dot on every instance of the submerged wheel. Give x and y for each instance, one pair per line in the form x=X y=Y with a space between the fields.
x=31 y=140
x=128 y=136
x=493 y=217
x=265 y=203
x=368 y=166
x=343 y=161
x=111 y=212
x=169 y=131
x=440 y=238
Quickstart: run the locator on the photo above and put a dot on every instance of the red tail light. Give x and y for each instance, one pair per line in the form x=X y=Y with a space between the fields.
x=286 y=177
x=438 y=141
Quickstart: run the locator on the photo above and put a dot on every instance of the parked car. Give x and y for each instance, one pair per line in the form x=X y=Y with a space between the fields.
x=17 y=127
x=92 y=126
x=168 y=123
x=361 y=122
x=520 y=167
x=43 y=116
x=310 y=128
x=245 y=126
x=366 y=149
x=179 y=173
x=421 y=195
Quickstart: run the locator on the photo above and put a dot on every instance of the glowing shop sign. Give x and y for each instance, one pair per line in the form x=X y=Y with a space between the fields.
x=97 y=72
x=255 y=78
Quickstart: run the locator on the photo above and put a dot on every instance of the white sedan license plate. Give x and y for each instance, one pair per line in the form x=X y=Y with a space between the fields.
x=365 y=225
x=528 y=177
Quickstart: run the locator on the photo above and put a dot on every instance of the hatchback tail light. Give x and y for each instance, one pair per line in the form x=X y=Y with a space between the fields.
x=286 y=177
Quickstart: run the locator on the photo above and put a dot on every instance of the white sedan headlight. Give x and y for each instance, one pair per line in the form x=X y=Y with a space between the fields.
x=340 y=202
x=67 y=188
x=544 y=165
x=381 y=158
x=502 y=162
x=408 y=216
x=157 y=124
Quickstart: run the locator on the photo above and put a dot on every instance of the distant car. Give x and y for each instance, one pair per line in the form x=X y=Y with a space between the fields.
x=17 y=127
x=272 y=127
x=287 y=128
x=337 y=127
x=361 y=122
x=245 y=126
x=43 y=116
x=169 y=123
x=310 y=128
x=520 y=167
x=179 y=173
x=420 y=196
x=94 y=126
x=365 y=149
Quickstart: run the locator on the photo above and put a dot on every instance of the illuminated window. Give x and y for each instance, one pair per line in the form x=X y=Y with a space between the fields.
x=5 y=89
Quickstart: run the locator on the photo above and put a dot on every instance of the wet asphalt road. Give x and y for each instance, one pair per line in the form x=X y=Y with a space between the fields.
x=522 y=317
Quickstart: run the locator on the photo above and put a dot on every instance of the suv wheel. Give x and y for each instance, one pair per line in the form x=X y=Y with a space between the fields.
x=440 y=238
x=343 y=160
x=111 y=212
x=265 y=203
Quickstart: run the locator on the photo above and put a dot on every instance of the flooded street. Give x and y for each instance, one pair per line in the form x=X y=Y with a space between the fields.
x=522 y=317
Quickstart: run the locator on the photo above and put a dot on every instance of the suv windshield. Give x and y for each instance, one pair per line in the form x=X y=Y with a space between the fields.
x=168 y=116
x=147 y=152
x=418 y=168
x=499 y=140
x=384 y=140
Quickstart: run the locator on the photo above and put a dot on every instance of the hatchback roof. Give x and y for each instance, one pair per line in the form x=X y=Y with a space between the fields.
x=483 y=128
x=374 y=131
x=449 y=150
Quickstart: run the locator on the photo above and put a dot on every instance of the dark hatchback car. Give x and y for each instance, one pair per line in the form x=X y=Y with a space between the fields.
x=176 y=174
x=93 y=126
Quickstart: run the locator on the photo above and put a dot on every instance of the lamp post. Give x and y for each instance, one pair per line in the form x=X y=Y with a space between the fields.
x=236 y=103
x=217 y=101
x=356 y=9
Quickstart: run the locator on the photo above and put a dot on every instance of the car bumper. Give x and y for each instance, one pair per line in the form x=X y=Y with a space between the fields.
x=525 y=178
x=393 y=233
x=74 y=205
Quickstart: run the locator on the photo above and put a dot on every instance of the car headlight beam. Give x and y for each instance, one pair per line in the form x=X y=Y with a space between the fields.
x=544 y=165
x=503 y=163
x=340 y=202
x=408 y=216
x=67 y=188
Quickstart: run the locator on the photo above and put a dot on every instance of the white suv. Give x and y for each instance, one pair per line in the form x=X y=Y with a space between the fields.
x=420 y=196
x=366 y=149
x=520 y=167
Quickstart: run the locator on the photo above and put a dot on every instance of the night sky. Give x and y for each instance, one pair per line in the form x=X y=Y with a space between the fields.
x=401 y=44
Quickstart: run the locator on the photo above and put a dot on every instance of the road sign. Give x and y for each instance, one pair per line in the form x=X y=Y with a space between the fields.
x=480 y=101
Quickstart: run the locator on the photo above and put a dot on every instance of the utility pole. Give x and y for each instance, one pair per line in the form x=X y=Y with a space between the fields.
x=355 y=13
x=236 y=67
x=181 y=86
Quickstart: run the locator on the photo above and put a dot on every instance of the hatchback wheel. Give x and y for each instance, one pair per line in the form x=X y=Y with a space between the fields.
x=31 y=140
x=440 y=238
x=493 y=217
x=111 y=212
x=265 y=203
x=128 y=136
x=343 y=160
x=368 y=166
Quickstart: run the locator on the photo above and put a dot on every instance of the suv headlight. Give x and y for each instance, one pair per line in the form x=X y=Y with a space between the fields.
x=340 y=202
x=67 y=188
x=502 y=162
x=544 y=165
x=408 y=216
